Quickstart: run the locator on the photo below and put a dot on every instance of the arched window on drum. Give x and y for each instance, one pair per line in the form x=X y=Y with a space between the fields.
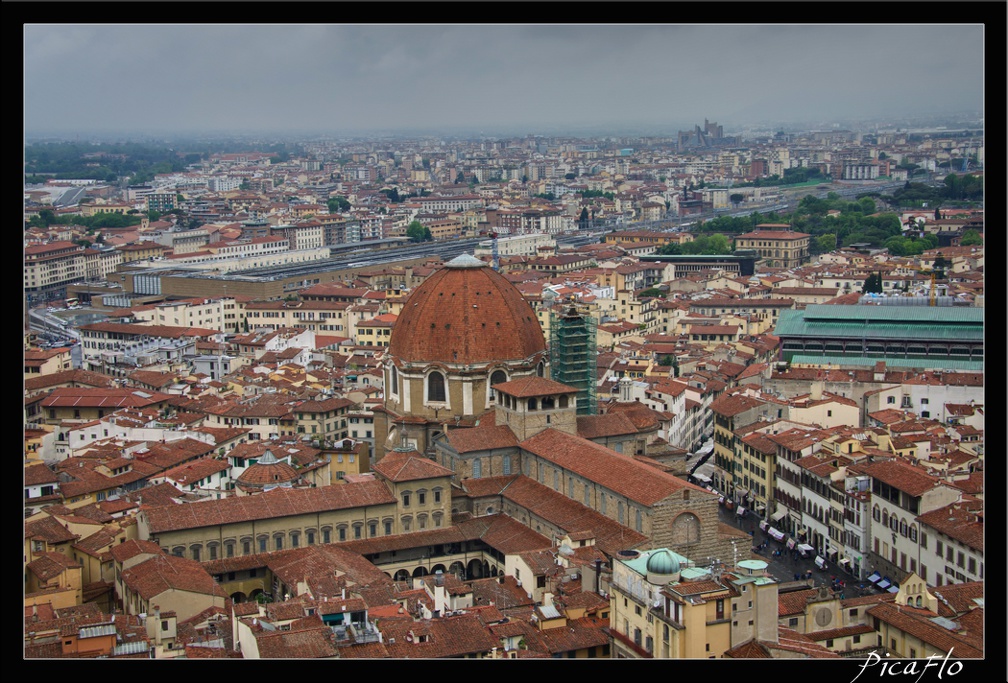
x=497 y=377
x=436 y=387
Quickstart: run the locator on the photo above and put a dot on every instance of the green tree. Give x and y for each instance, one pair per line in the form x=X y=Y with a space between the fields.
x=736 y=198
x=47 y=217
x=583 y=218
x=824 y=244
x=670 y=249
x=718 y=244
x=971 y=238
x=418 y=232
x=338 y=204
x=873 y=283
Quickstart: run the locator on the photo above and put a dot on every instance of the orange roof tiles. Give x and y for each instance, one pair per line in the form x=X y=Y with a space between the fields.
x=901 y=475
x=163 y=573
x=484 y=436
x=466 y=315
x=401 y=466
x=918 y=623
x=600 y=426
x=279 y=502
x=597 y=463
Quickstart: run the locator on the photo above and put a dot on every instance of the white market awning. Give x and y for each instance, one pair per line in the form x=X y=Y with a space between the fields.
x=779 y=515
x=740 y=512
x=778 y=535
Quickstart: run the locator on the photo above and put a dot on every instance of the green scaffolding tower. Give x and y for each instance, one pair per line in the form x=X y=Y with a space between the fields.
x=572 y=354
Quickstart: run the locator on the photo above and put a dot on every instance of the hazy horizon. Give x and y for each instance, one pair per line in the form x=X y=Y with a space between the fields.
x=429 y=79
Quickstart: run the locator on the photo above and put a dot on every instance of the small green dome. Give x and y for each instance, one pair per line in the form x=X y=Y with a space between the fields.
x=663 y=562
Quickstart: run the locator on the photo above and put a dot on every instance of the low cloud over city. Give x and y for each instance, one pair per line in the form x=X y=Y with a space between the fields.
x=360 y=79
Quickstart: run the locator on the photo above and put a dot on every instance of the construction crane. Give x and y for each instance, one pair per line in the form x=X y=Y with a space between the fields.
x=932 y=295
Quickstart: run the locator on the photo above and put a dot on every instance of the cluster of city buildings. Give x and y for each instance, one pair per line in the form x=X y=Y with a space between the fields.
x=524 y=453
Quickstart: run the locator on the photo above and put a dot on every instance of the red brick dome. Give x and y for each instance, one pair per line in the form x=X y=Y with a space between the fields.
x=466 y=313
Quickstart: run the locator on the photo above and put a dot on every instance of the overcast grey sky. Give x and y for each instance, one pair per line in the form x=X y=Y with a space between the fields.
x=351 y=79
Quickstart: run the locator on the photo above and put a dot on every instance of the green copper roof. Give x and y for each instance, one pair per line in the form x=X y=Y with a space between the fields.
x=925 y=323
x=874 y=313
x=891 y=363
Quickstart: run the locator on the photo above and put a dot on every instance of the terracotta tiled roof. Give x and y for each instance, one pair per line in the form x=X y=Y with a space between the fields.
x=504 y=593
x=196 y=470
x=162 y=573
x=39 y=473
x=98 y=542
x=466 y=315
x=315 y=642
x=50 y=565
x=618 y=473
x=576 y=634
x=401 y=466
x=750 y=649
x=69 y=377
x=799 y=644
x=264 y=474
x=642 y=417
x=960 y=521
x=901 y=475
x=526 y=387
x=919 y=623
x=454 y=636
x=108 y=399
x=129 y=549
x=794 y=602
x=730 y=405
x=571 y=516
x=164 y=455
x=484 y=436
x=486 y=486
x=608 y=424
x=49 y=530
x=279 y=502
x=843 y=632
